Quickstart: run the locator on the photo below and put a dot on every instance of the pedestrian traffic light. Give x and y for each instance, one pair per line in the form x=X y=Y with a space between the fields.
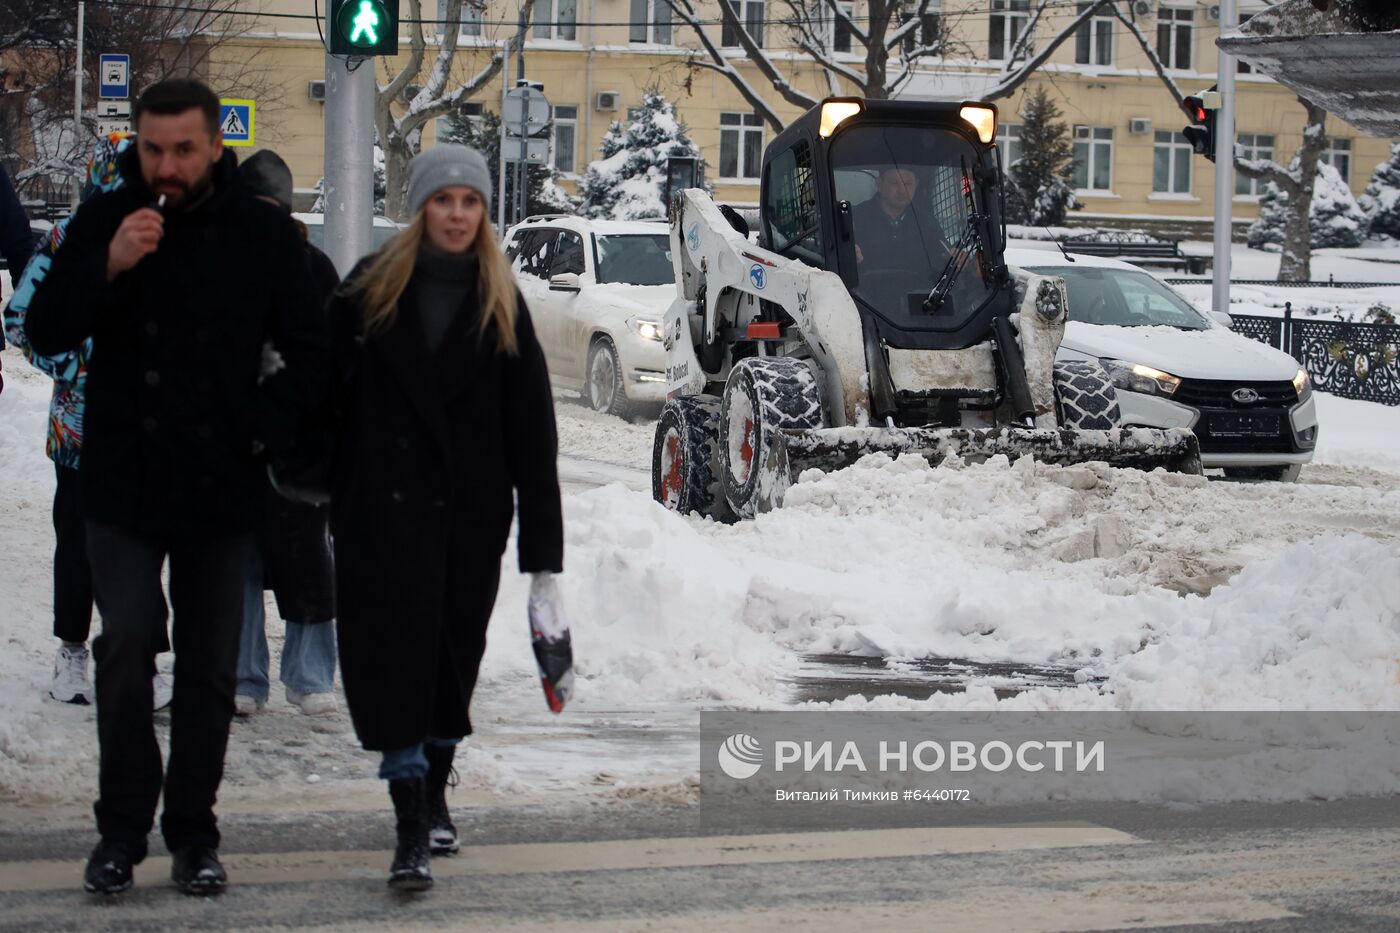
x=363 y=28
x=1201 y=133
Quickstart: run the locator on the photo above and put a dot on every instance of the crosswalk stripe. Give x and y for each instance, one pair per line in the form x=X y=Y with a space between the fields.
x=608 y=855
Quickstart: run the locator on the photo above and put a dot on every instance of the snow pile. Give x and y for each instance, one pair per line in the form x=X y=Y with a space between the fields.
x=629 y=182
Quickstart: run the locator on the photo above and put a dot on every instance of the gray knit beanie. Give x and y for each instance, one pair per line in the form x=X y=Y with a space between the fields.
x=446 y=165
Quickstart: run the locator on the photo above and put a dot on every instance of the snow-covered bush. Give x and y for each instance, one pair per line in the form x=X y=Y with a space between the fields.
x=1334 y=220
x=629 y=181
x=1381 y=200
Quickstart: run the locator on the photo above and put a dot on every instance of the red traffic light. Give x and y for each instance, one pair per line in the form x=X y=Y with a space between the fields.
x=1195 y=109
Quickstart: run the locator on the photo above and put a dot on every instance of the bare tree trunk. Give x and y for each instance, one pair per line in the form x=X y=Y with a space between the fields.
x=1296 y=263
x=396 y=159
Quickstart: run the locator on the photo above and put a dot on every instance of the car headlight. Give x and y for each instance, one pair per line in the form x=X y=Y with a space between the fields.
x=647 y=330
x=1303 y=384
x=1135 y=377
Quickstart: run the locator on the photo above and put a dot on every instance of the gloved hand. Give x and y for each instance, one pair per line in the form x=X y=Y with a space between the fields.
x=272 y=362
x=549 y=636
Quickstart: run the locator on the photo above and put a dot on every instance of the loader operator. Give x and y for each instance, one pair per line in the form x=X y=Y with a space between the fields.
x=892 y=232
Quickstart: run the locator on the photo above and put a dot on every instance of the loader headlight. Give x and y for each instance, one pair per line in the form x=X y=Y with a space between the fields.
x=834 y=113
x=1135 y=377
x=1303 y=384
x=647 y=330
x=983 y=119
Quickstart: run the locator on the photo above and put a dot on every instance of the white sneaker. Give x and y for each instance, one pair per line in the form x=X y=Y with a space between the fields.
x=70 y=680
x=244 y=705
x=313 y=704
x=162 y=692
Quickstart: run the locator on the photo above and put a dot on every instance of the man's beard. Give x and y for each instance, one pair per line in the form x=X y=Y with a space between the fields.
x=188 y=195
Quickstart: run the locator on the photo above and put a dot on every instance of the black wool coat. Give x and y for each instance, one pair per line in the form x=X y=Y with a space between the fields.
x=295 y=537
x=432 y=451
x=174 y=408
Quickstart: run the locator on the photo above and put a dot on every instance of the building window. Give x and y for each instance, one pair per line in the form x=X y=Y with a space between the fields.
x=1171 y=163
x=1009 y=144
x=1093 y=41
x=930 y=28
x=830 y=30
x=1252 y=146
x=1093 y=158
x=1242 y=66
x=650 y=22
x=740 y=145
x=1008 y=20
x=563 y=133
x=470 y=25
x=469 y=113
x=1338 y=155
x=750 y=13
x=1174 y=36
x=556 y=19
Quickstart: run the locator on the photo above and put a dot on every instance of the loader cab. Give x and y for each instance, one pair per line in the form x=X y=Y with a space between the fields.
x=896 y=197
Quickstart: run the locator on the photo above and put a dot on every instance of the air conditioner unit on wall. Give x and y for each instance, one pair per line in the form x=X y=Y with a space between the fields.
x=316 y=90
x=607 y=100
x=1213 y=12
x=1142 y=7
x=1139 y=125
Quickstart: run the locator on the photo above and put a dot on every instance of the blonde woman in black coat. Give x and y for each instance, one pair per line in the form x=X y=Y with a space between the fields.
x=446 y=417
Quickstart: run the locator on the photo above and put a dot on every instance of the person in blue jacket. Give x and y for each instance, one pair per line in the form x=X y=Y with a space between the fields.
x=16 y=242
x=72 y=578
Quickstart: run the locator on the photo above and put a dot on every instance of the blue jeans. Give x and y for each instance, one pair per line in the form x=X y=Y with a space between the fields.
x=408 y=763
x=308 y=655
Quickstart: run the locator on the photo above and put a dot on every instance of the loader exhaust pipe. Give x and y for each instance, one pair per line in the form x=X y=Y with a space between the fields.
x=1013 y=364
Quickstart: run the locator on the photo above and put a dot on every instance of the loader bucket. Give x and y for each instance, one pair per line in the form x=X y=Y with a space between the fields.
x=1174 y=449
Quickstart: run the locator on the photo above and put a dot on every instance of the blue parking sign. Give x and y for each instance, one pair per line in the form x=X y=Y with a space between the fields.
x=236 y=121
x=114 y=77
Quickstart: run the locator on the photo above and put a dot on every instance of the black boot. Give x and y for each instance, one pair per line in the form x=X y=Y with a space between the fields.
x=410 y=870
x=442 y=835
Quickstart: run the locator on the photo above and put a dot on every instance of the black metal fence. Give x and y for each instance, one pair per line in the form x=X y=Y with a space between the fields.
x=1272 y=283
x=1360 y=361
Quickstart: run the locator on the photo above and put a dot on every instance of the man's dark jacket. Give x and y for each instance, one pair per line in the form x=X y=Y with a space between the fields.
x=173 y=401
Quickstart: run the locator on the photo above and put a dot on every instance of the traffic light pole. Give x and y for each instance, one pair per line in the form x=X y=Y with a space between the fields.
x=349 y=169
x=1224 y=166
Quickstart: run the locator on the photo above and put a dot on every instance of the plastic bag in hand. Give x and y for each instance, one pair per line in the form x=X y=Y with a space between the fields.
x=549 y=636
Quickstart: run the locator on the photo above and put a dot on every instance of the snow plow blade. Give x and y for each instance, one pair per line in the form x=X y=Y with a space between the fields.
x=1173 y=449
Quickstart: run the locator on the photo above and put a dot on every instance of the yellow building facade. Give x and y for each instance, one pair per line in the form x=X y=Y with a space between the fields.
x=596 y=58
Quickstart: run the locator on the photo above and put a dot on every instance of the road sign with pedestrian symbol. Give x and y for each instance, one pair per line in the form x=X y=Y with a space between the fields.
x=236 y=121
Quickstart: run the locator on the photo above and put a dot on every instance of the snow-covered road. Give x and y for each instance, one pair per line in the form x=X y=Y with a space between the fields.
x=1164 y=591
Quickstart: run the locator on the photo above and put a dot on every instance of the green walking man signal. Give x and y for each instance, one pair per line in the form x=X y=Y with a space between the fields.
x=362 y=28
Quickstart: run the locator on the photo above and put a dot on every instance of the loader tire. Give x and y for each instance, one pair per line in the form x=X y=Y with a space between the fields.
x=763 y=395
x=1085 y=399
x=685 y=457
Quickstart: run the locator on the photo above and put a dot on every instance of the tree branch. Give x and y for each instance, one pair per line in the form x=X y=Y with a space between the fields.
x=1012 y=80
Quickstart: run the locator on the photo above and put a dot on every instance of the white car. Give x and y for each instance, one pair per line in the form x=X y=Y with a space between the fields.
x=383 y=230
x=1250 y=405
x=597 y=292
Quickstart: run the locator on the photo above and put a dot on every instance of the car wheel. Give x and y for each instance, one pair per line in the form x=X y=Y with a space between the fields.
x=606 y=390
x=1287 y=473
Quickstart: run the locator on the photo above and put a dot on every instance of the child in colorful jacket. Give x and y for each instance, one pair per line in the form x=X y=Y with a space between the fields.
x=72 y=601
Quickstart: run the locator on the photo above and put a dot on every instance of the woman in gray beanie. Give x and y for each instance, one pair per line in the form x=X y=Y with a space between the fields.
x=446 y=420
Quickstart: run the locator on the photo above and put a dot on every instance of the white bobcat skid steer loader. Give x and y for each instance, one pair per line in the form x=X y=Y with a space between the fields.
x=876 y=314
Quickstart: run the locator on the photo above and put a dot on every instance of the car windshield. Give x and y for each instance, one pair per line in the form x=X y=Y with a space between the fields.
x=635 y=259
x=909 y=192
x=1125 y=298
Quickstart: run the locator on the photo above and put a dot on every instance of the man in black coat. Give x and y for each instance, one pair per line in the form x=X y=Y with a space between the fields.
x=179 y=278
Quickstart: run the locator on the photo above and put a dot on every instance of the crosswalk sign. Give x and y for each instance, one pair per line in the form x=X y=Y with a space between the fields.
x=236 y=121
